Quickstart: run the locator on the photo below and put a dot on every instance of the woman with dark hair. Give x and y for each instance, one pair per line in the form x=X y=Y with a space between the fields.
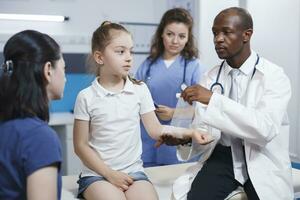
x=33 y=73
x=170 y=68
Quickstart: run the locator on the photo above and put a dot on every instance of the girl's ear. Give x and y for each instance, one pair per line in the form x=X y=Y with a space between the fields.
x=48 y=71
x=98 y=57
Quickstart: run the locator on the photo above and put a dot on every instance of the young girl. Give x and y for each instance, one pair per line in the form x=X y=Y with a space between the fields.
x=171 y=66
x=30 y=154
x=107 y=123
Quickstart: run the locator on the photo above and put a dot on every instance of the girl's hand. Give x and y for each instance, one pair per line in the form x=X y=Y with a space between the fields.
x=164 y=113
x=202 y=138
x=120 y=179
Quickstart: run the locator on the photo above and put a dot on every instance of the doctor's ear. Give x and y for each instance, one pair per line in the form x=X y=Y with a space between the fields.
x=98 y=57
x=48 y=71
x=247 y=35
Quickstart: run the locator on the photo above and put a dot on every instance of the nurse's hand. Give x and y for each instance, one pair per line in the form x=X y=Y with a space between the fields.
x=196 y=93
x=120 y=179
x=164 y=113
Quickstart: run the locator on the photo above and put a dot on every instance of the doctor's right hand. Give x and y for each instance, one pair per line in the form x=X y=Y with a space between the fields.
x=196 y=93
x=120 y=179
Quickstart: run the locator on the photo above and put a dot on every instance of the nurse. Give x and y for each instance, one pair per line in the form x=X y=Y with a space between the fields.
x=248 y=121
x=170 y=68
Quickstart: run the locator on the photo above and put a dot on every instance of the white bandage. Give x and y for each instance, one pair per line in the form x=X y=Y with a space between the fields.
x=175 y=131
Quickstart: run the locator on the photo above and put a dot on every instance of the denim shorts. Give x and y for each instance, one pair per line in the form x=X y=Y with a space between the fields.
x=86 y=181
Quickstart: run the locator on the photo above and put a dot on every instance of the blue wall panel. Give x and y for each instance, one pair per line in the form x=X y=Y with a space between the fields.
x=75 y=83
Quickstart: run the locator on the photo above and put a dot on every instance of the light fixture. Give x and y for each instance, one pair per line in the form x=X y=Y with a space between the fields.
x=50 y=18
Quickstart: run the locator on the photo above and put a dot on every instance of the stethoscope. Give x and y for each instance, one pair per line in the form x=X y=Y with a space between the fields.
x=183 y=84
x=217 y=84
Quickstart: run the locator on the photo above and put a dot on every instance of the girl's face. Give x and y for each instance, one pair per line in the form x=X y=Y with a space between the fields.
x=57 y=80
x=175 y=36
x=117 y=55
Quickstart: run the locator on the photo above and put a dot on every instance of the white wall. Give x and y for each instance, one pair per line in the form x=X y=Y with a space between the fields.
x=84 y=18
x=277 y=37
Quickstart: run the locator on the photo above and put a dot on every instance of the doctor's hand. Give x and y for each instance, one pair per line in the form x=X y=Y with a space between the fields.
x=164 y=113
x=196 y=93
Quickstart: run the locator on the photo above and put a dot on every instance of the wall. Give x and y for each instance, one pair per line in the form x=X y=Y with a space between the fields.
x=84 y=19
x=277 y=37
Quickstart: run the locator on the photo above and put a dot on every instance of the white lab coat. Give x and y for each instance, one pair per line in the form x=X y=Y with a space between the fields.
x=260 y=119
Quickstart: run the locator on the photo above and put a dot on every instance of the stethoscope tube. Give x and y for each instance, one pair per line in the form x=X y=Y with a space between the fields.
x=217 y=84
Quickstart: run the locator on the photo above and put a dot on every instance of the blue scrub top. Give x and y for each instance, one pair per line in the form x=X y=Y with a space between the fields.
x=163 y=84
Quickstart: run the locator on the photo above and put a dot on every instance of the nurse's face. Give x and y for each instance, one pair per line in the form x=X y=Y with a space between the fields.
x=228 y=35
x=175 y=37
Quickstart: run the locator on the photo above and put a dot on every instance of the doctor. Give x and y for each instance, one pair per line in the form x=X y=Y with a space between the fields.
x=249 y=121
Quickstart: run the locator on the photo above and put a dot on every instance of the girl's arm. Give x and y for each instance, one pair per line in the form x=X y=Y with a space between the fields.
x=156 y=130
x=92 y=159
x=42 y=184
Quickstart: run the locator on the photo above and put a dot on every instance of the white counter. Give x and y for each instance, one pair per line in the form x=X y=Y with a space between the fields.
x=62 y=123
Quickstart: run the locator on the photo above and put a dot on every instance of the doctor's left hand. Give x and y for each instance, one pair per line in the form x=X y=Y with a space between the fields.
x=196 y=93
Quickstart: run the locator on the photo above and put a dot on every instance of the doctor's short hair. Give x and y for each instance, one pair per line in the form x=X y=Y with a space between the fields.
x=246 y=18
x=177 y=15
x=23 y=84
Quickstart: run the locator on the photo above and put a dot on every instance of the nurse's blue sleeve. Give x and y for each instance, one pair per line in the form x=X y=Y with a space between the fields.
x=141 y=71
x=198 y=72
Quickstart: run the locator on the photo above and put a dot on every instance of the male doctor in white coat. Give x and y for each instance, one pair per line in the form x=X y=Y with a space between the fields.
x=250 y=127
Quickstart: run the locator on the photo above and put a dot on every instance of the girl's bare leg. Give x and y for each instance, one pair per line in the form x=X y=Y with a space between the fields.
x=103 y=190
x=141 y=190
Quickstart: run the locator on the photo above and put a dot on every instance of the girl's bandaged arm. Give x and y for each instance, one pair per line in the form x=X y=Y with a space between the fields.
x=157 y=131
x=171 y=133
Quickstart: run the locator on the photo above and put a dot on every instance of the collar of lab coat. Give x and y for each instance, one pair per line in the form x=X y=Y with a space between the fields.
x=247 y=67
x=102 y=92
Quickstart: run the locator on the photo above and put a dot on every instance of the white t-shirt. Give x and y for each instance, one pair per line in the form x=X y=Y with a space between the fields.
x=115 y=123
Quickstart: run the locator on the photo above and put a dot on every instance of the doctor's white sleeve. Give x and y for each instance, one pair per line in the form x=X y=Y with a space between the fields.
x=262 y=118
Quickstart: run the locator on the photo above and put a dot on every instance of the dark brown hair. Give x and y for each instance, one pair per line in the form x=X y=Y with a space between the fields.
x=23 y=91
x=177 y=15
